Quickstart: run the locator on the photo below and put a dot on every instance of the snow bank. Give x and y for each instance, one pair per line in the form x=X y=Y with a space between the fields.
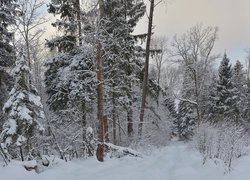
x=175 y=162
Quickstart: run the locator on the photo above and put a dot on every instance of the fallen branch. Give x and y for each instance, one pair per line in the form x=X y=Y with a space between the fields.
x=122 y=151
x=186 y=100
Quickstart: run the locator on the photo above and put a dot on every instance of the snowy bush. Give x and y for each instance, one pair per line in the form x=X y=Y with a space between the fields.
x=225 y=142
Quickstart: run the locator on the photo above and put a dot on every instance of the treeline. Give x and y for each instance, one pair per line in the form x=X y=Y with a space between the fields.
x=95 y=77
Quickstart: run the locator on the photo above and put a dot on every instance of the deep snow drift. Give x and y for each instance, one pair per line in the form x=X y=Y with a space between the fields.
x=174 y=162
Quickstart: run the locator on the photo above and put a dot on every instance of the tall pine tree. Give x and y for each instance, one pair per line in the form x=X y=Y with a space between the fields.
x=70 y=77
x=120 y=61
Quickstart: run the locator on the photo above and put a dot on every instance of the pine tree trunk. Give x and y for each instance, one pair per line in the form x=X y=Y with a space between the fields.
x=120 y=131
x=130 y=112
x=100 y=101
x=130 y=121
x=83 y=109
x=78 y=16
x=146 y=66
x=83 y=125
x=106 y=129
x=114 y=121
x=21 y=153
x=100 y=111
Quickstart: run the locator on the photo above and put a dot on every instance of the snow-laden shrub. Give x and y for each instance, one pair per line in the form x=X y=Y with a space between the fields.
x=225 y=142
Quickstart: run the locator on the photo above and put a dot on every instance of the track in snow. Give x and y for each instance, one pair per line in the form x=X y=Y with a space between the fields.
x=175 y=162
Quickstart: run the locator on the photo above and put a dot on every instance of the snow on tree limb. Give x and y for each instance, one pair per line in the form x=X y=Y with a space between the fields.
x=122 y=151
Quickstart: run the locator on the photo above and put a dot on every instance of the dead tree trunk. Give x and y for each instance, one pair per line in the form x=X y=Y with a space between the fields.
x=145 y=78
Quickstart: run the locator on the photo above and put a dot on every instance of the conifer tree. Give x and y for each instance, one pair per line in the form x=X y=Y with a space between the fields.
x=63 y=45
x=187 y=117
x=212 y=98
x=224 y=103
x=24 y=111
x=238 y=77
x=72 y=59
x=119 y=57
x=246 y=104
x=7 y=53
x=239 y=82
x=172 y=108
x=70 y=77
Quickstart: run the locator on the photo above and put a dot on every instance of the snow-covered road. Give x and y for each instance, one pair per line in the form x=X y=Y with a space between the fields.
x=175 y=162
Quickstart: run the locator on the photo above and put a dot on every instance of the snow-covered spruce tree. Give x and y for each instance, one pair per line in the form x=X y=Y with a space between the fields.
x=176 y=121
x=187 y=115
x=135 y=10
x=185 y=121
x=223 y=104
x=71 y=59
x=7 y=52
x=239 y=76
x=25 y=114
x=212 y=97
x=246 y=107
x=119 y=58
x=70 y=76
x=62 y=45
x=239 y=83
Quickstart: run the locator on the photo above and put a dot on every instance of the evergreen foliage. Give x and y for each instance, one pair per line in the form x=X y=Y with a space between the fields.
x=187 y=117
x=239 y=83
x=24 y=111
x=246 y=104
x=95 y=73
x=224 y=102
x=121 y=60
x=70 y=73
x=7 y=52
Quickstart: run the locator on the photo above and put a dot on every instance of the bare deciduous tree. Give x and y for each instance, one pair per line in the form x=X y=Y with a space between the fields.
x=29 y=23
x=193 y=51
x=159 y=44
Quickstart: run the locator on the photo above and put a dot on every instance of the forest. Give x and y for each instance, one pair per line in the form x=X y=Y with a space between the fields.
x=96 y=90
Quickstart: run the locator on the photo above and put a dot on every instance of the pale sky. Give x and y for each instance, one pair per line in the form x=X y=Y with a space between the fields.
x=231 y=16
x=177 y=16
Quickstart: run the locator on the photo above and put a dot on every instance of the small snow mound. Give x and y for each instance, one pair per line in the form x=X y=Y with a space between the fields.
x=89 y=130
x=30 y=165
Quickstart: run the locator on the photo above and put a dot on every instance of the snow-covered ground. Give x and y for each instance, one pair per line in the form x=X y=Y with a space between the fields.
x=174 y=162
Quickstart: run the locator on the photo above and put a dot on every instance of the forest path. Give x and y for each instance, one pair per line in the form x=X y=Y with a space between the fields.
x=174 y=162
